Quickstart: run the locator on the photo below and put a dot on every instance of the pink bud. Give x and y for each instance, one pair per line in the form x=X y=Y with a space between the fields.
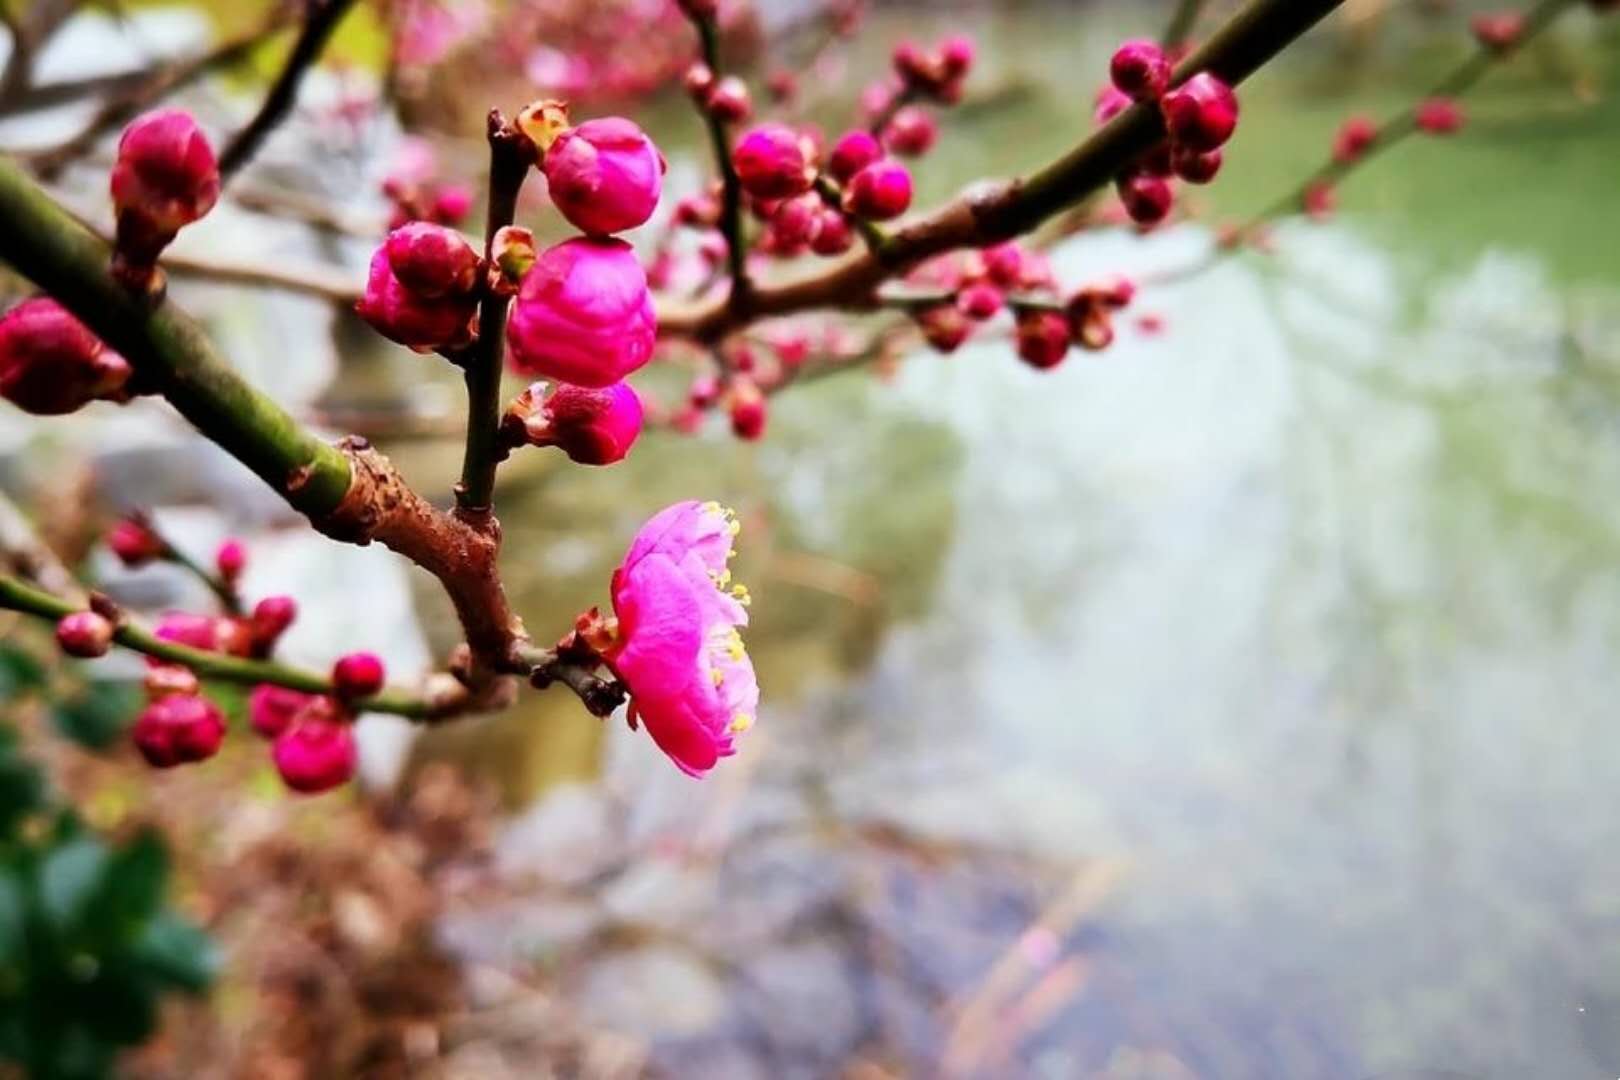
x=914 y=66
x=1194 y=166
x=1354 y=137
x=1141 y=70
x=794 y=224
x=1499 y=32
x=979 y=301
x=699 y=81
x=730 y=102
x=177 y=729
x=163 y=680
x=195 y=631
x=358 y=674
x=772 y=163
x=51 y=364
x=271 y=618
x=1004 y=263
x=84 y=634
x=1320 y=200
x=134 y=543
x=231 y=559
x=164 y=179
x=1439 y=116
x=1043 y=338
x=944 y=327
x=401 y=315
x=956 y=55
x=704 y=391
x=782 y=85
x=316 y=753
x=912 y=132
x=1094 y=331
x=605 y=176
x=1147 y=199
x=698 y=212
x=452 y=204
x=880 y=191
x=431 y=261
x=593 y=427
x=583 y=315
x=854 y=151
x=1111 y=101
x=271 y=708
x=833 y=235
x=748 y=410
x=1201 y=113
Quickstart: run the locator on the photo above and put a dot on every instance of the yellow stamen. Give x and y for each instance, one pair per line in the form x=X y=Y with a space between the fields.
x=740 y=723
x=717 y=675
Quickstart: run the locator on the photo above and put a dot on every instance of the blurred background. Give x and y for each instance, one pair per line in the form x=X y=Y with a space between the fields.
x=1231 y=703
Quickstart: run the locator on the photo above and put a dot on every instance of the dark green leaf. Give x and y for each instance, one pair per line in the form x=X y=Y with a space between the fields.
x=97 y=717
x=177 y=953
x=19 y=672
x=135 y=879
x=70 y=879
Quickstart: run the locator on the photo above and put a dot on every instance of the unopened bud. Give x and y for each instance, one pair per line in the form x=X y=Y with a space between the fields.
x=84 y=634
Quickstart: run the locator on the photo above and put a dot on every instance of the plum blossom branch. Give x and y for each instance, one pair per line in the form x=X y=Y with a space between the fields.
x=731 y=200
x=321 y=20
x=998 y=211
x=16 y=595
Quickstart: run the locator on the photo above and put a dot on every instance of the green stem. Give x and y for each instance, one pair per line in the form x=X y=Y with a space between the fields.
x=223 y=592
x=1182 y=21
x=509 y=163
x=17 y=596
x=168 y=350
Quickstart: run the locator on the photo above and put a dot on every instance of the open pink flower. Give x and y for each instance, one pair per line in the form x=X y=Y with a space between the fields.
x=605 y=175
x=583 y=315
x=678 y=648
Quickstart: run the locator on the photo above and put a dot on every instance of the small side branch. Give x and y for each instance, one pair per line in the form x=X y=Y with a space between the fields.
x=738 y=298
x=322 y=19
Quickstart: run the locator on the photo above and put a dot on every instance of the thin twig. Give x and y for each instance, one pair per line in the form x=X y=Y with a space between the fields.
x=731 y=226
x=1182 y=21
x=322 y=18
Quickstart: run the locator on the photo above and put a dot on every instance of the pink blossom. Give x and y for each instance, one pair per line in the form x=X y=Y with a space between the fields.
x=271 y=708
x=678 y=648
x=358 y=674
x=84 y=634
x=912 y=132
x=854 y=151
x=230 y=559
x=880 y=191
x=177 y=729
x=605 y=176
x=165 y=178
x=317 y=751
x=1201 y=113
x=1140 y=70
x=773 y=162
x=431 y=261
x=1439 y=116
x=583 y=315
x=1354 y=137
x=1043 y=338
x=591 y=426
x=183 y=628
x=51 y=364
x=400 y=314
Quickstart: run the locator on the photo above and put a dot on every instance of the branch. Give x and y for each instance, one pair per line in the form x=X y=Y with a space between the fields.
x=17 y=596
x=509 y=162
x=164 y=81
x=322 y=19
x=731 y=226
x=995 y=212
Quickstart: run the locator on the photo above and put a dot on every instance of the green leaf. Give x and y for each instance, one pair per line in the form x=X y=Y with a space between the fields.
x=70 y=879
x=19 y=671
x=135 y=879
x=177 y=953
x=13 y=924
x=97 y=717
x=22 y=791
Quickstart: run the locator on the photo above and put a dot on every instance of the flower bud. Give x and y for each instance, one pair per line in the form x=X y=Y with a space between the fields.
x=1439 y=116
x=163 y=680
x=1146 y=198
x=748 y=410
x=164 y=179
x=272 y=708
x=1111 y=101
x=230 y=559
x=1043 y=338
x=915 y=67
x=730 y=103
x=772 y=162
x=51 y=364
x=1201 y=113
x=880 y=191
x=833 y=235
x=944 y=327
x=1093 y=330
x=699 y=82
x=543 y=122
x=399 y=314
x=358 y=675
x=979 y=301
x=177 y=729
x=317 y=752
x=704 y=391
x=184 y=628
x=956 y=54
x=1320 y=200
x=1354 y=137
x=270 y=619
x=134 y=543
x=431 y=261
x=583 y=315
x=1140 y=70
x=1500 y=32
x=912 y=132
x=605 y=176
x=854 y=151
x=1195 y=166
x=794 y=224
x=698 y=212
x=783 y=86
x=84 y=634
x=593 y=427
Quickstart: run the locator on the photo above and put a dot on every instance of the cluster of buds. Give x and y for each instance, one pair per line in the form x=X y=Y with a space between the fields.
x=935 y=74
x=165 y=177
x=312 y=735
x=415 y=193
x=51 y=364
x=1200 y=115
x=726 y=99
x=422 y=289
